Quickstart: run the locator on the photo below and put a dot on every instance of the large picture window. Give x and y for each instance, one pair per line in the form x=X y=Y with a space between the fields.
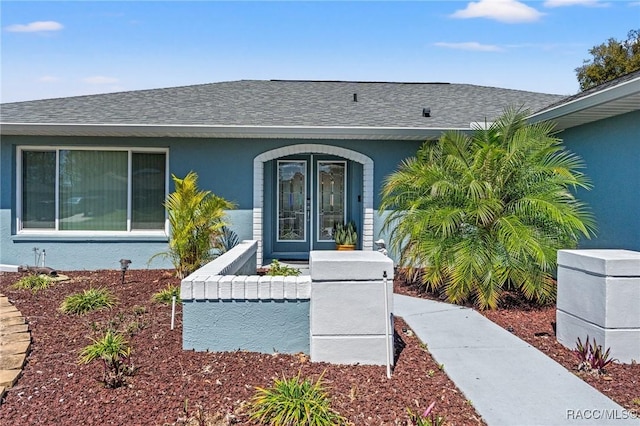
x=92 y=190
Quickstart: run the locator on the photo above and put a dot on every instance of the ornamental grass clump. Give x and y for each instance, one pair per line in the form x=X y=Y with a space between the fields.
x=476 y=215
x=33 y=282
x=115 y=353
x=165 y=296
x=294 y=401
x=89 y=300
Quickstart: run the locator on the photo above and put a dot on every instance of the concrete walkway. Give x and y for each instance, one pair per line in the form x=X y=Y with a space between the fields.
x=508 y=381
x=15 y=340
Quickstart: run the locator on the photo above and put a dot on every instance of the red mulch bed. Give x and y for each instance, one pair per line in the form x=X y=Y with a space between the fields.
x=535 y=325
x=176 y=387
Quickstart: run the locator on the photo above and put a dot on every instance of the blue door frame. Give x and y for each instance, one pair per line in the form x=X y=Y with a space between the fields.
x=313 y=240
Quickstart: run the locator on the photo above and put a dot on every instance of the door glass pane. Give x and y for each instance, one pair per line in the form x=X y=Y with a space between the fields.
x=148 y=190
x=331 y=197
x=93 y=190
x=292 y=195
x=38 y=189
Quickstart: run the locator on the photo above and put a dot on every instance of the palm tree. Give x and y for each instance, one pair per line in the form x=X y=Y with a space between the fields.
x=478 y=214
x=197 y=219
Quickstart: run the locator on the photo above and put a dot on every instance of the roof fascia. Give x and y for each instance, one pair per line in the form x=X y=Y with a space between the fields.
x=196 y=131
x=597 y=98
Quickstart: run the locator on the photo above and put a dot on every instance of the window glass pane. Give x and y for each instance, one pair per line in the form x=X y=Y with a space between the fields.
x=292 y=195
x=148 y=190
x=331 y=185
x=38 y=189
x=93 y=190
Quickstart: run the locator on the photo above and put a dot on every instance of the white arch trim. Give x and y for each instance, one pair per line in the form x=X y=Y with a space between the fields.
x=310 y=148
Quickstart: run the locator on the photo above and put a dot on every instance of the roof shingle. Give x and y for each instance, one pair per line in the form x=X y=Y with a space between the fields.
x=284 y=103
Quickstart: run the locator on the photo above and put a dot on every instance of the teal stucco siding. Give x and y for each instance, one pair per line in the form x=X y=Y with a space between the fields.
x=224 y=166
x=611 y=151
x=265 y=326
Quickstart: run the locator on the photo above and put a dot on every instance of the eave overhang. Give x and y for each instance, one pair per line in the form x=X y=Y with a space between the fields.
x=616 y=100
x=243 y=132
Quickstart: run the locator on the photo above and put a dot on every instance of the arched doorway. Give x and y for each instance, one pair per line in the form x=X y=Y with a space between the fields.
x=308 y=162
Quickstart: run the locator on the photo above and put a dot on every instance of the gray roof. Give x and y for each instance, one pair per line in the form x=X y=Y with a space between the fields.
x=284 y=103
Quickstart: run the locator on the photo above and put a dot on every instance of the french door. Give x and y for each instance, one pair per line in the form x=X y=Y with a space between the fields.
x=310 y=193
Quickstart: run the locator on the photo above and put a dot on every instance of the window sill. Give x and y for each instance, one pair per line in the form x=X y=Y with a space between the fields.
x=89 y=237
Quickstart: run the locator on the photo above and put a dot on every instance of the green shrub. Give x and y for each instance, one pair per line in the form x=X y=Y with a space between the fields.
x=115 y=353
x=196 y=218
x=484 y=213
x=277 y=269
x=89 y=300
x=33 y=283
x=165 y=295
x=294 y=401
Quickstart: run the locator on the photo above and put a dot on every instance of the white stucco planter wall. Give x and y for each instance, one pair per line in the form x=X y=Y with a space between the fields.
x=599 y=297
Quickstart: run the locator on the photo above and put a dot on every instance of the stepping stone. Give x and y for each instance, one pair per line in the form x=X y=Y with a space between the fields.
x=4 y=301
x=8 y=378
x=3 y=390
x=12 y=362
x=11 y=329
x=15 y=348
x=9 y=321
x=11 y=314
x=8 y=309
x=14 y=338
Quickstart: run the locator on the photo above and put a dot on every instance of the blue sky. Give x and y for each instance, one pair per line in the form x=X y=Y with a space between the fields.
x=54 y=49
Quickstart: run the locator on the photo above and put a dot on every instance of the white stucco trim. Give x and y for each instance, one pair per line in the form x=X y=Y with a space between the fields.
x=310 y=148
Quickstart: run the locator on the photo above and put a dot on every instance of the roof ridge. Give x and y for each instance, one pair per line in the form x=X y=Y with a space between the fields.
x=353 y=81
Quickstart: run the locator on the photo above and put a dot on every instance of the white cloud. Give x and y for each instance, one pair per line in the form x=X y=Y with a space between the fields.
x=509 y=11
x=48 y=79
x=35 y=27
x=561 y=3
x=634 y=3
x=470 y=45
x=100 y=79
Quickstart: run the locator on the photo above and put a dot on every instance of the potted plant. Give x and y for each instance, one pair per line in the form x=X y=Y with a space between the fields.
x=345 y=236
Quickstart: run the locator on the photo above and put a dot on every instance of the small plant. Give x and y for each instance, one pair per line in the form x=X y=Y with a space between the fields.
x=278 y=269
x=89 y=300
x=227 y=240
x=591 y=356
x=636 y=401
x=139 y=310
x=428 y=418
x=115 y=353
x=294 y=401
x=165 y=295
x=345 y=234
x=33 y=282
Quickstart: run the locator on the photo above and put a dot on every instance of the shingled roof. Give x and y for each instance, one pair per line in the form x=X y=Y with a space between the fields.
x=284 y=103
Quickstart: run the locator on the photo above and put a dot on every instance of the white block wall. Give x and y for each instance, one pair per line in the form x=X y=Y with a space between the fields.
x=599 y=297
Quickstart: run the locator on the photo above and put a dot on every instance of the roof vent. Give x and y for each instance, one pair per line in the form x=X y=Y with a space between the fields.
x=426 y=112
x=355 y=97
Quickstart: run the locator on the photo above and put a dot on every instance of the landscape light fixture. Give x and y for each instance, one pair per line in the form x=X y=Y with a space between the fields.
x=124 y=265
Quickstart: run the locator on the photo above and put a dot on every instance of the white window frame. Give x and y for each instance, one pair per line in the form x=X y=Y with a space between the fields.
x=57 y=232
